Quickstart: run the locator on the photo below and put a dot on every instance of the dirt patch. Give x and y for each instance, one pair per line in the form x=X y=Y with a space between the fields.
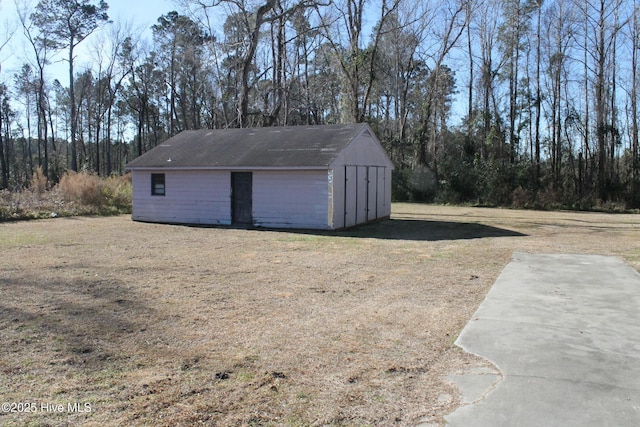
x=147 y=324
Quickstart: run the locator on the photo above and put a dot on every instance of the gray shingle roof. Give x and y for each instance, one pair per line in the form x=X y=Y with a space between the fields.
x=290 y=146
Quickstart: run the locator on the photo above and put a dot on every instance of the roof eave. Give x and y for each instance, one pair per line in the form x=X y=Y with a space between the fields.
x=225 y=168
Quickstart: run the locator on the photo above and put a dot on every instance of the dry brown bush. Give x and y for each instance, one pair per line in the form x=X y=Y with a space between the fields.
x=39 y=181
x=117 y=190
x=91 y=190
x=76 y=194
x=80 y=187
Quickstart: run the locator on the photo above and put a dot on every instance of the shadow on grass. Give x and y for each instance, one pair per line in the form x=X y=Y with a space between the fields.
x=394 y=229
x=80 y=322
x=409 y=229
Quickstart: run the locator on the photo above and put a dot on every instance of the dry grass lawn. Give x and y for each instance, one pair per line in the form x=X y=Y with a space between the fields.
x=156 y=325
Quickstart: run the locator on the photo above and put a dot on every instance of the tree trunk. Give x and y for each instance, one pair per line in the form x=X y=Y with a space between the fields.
x=247 y=61
x=3 y=161
x=600 y=105
x=470 y=89
x=634 y=107
x=538 y=100
x=74 y=115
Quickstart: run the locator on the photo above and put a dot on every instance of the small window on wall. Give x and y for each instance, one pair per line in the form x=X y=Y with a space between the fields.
x=157 y=184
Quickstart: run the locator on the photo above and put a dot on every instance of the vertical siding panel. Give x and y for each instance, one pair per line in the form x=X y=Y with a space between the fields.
x=361 y=195
x=387 y=193
x=350 y=196
x=330 y=213
x=338 y=197
x=380 y=193
x=372 y=193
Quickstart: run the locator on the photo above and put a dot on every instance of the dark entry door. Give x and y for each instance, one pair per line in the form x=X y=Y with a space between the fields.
x=241 y=191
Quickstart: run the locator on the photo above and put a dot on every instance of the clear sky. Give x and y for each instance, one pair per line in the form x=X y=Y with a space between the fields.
x=140 y=14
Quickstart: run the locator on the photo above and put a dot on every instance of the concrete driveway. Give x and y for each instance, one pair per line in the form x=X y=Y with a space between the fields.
x=563 y=332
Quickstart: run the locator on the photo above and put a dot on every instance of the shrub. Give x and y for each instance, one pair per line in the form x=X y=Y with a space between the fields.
x=39 y=182
x=401 y=190
x=522 y=198
x=83 y=188
x=117 y=192
x=105 y=195
x=409 y=185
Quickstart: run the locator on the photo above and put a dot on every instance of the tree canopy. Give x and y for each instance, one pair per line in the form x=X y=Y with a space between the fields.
x=499 y=102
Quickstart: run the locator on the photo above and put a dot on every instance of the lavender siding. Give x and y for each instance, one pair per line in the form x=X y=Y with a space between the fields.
x=361 y=183
x=291 y=199
x=353 y=189
x=364 y=150
x=361 y=195
x=193 y=197
x=384 y=193
x=349 y=189
x=337 y=216
x=372 y=193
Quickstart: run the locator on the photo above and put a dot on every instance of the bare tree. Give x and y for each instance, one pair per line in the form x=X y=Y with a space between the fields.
x=601 y=30
x=635 y=69
x=538 y=93
x=516 y=23
x=399 y=68
x=5 y=111
x=7 y=29
x=343 y=28
x=43 y=48
x=107 y=53
x=68 y=23
x=450 y=21
x=26 y=87
x=490 y=66
x=559 y=34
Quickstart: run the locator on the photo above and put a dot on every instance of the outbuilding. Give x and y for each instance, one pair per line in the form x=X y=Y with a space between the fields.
x=311 y=177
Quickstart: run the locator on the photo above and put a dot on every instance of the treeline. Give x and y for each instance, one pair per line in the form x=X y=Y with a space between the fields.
x=500 y=102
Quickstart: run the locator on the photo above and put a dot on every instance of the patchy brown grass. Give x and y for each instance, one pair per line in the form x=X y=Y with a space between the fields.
x=168 y=325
